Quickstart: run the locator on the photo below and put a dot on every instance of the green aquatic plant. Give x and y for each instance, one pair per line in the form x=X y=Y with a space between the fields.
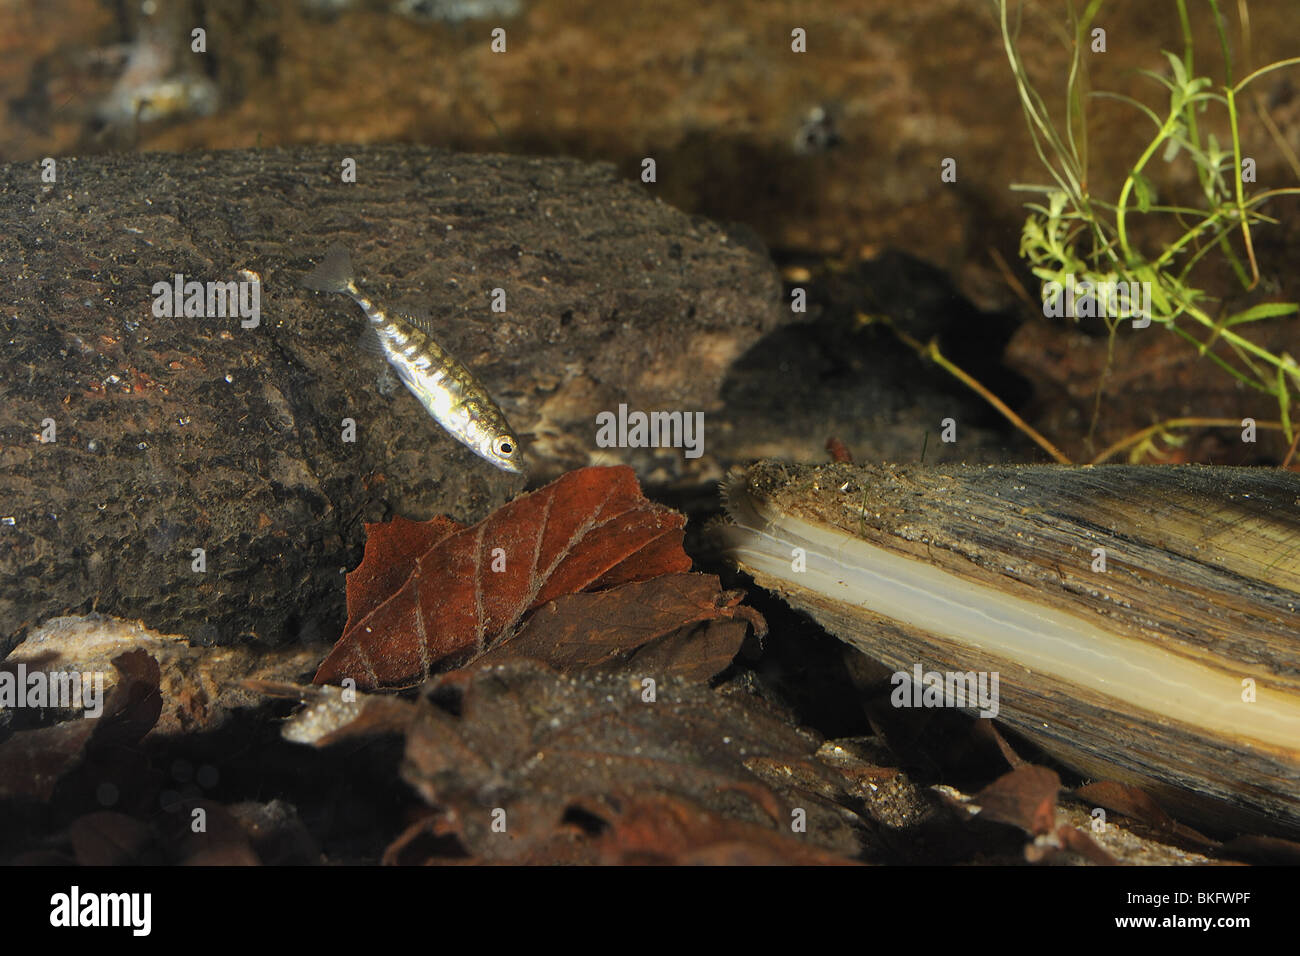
x=1074 y=236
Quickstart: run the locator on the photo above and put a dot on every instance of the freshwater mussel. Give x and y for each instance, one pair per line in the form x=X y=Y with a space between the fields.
x=1143 y=621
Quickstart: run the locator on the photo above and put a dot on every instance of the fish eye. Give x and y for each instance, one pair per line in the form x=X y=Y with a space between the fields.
x=504 y=447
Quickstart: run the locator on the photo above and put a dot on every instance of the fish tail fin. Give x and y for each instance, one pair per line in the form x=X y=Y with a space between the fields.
x=334 y=274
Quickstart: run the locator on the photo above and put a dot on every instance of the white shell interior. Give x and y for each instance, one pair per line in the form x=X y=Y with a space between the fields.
x=1041 y=638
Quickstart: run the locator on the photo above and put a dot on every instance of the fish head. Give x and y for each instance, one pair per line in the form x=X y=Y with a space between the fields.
x=503 y=450
x=479 y=425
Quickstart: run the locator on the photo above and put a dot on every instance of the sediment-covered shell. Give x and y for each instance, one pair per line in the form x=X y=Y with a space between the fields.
x=1176 y=668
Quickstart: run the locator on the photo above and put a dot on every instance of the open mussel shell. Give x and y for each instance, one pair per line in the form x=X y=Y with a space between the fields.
x=1176 y=668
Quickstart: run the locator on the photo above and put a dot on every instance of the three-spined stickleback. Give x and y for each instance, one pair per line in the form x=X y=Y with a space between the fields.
x=445 y=387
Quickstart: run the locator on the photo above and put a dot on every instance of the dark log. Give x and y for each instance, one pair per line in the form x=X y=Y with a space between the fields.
x=179 y=433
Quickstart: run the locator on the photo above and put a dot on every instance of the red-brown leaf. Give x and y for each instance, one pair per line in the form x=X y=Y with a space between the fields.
x=392 y=548
x=1140 y=806
x=1025 y=797
x=589 y=530
x=663 y=829
x=674 y=625
x=1076 y=841
x=520 y=738
x=108 y=838
x=32 y=762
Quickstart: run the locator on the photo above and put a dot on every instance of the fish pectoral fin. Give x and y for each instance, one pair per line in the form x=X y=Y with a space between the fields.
x=369 y=342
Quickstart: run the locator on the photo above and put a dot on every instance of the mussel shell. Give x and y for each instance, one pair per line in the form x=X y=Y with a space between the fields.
x=1202 y=572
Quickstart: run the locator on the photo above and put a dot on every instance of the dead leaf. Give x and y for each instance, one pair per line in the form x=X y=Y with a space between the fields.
x=1076 y=841
x=1128 y=800
x=332 y=715
x=106 y=838
x=507 y=751
x=674 y=625
x=1139 y=806
x=431 y=839
x=135 y=704
x=245 y=834
x=658 y=829
x=392 y=549
x=32 y=762
x=589 y=530
x=201 y=687
x=1025 y=797
x=986 y=728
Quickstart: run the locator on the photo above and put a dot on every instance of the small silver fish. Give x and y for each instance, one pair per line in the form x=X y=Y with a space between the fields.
x=446 y=388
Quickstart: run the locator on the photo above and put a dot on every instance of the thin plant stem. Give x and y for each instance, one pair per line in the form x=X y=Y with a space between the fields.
x=1140 y=436
x=930 y=350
